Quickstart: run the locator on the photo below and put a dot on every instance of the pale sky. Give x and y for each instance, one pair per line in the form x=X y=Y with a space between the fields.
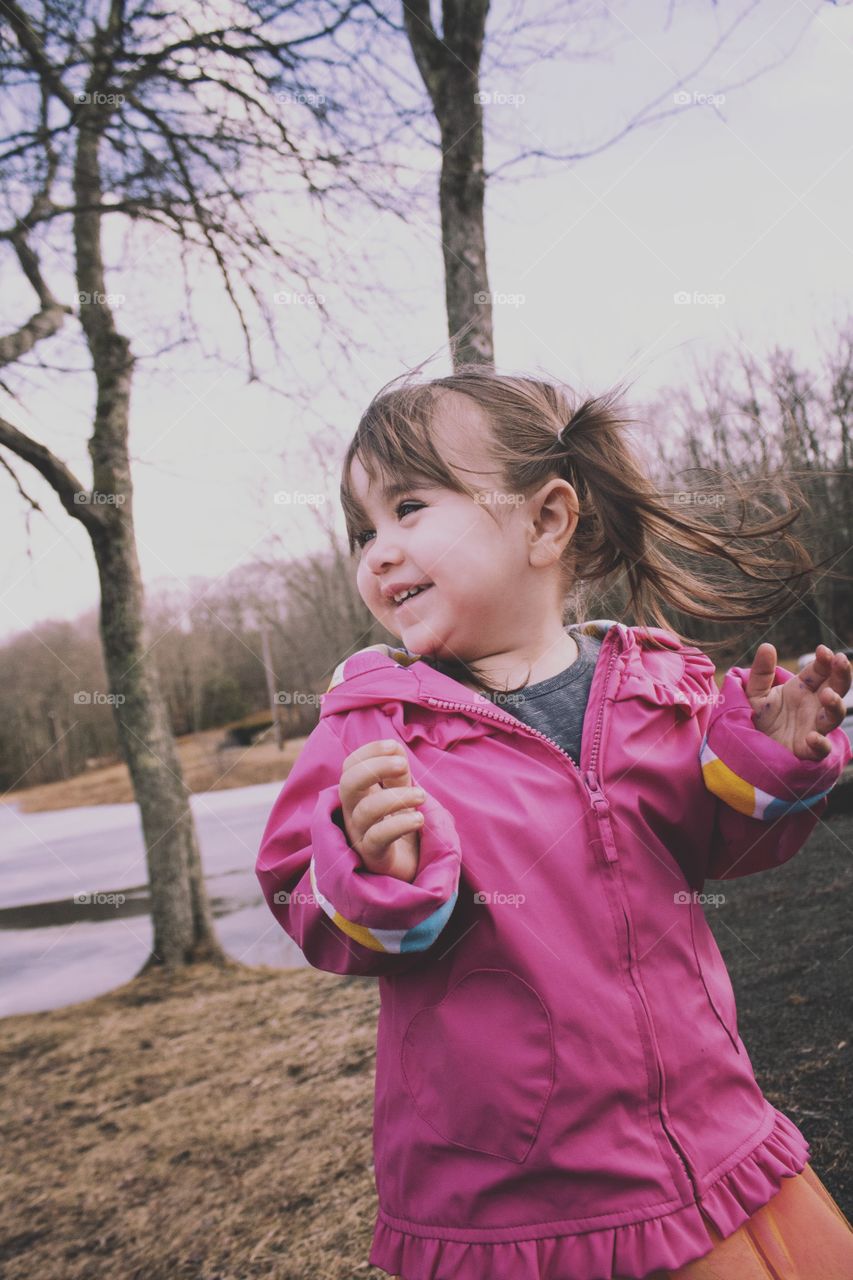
x=744 y=206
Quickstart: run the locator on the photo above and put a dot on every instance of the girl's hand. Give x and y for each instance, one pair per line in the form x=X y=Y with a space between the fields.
x=801 y=711
x=378 y=799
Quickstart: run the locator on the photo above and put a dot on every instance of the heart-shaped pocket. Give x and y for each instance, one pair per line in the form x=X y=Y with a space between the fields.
x=480 y=1064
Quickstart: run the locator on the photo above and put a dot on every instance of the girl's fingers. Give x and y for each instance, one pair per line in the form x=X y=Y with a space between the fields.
x=378 y=805
x=818 y=743
x=840 y=674
x=833 y=710
x=378 y=840
x=358 y=778
x=760 y=678
x=815 y=672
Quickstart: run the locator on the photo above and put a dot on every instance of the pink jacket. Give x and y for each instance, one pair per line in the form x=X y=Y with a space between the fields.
x=560 y=1085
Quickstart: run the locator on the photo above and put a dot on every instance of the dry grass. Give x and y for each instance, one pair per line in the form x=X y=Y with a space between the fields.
x=215 y=1127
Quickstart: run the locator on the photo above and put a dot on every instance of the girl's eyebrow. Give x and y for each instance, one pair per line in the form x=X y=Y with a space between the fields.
x=392 y=491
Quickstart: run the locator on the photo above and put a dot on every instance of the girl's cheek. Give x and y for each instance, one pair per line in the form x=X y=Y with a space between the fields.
x=362 y=583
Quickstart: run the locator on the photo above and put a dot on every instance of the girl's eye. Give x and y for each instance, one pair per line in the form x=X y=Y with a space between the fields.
x=360 y=538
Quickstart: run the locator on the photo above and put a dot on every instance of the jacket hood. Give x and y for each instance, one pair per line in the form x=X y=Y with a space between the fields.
x=671 y=675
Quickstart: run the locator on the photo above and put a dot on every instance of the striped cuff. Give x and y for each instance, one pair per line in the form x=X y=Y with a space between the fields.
x=382 y=912
x=751 y=772
x=418 y=938
x=744 y=796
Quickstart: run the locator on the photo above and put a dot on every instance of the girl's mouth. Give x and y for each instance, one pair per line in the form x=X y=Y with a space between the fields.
x=408 y=600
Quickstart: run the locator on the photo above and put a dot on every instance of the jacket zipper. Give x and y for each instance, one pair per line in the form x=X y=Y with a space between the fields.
x=589 y=778
x=672 y=1141
x=601 y=806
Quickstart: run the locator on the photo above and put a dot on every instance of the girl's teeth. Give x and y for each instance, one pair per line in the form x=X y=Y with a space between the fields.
x=410 y=595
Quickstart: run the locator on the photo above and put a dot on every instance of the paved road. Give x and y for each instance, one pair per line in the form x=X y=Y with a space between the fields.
x=55 y=951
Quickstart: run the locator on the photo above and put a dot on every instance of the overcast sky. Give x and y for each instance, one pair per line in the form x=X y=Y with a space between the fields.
x=743 y=205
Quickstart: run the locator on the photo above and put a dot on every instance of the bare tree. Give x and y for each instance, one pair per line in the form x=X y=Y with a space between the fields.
x=450 y=59
x=140 y=115
x=450 y=67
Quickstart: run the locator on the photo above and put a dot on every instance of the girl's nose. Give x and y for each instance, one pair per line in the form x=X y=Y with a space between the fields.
x=381 y=553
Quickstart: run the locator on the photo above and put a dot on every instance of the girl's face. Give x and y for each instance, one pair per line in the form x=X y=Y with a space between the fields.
x=474 y=554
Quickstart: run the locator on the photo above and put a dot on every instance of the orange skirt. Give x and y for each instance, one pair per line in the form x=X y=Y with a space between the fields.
x=800 y=1234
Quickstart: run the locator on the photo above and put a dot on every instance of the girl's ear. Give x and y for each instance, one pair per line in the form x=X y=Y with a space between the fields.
x=552 y=520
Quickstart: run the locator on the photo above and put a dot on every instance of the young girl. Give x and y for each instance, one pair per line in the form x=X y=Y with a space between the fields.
x=510 y=821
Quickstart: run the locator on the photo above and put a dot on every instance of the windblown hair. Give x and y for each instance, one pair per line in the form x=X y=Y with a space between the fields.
x=627 y=527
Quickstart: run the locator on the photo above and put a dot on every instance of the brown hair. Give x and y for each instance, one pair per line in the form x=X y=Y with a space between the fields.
x=626 y=524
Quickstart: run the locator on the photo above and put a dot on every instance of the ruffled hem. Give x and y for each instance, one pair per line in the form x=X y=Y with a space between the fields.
x=628 y=1252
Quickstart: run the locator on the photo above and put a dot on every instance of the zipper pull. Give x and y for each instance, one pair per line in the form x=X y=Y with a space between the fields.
x=602 y=805
x=599 y=799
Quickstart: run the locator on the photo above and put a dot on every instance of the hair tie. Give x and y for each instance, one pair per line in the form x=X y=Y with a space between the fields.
x=561 y=434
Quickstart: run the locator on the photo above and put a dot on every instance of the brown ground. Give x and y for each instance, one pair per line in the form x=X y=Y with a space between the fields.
x=220 y=1128
x=204 y=769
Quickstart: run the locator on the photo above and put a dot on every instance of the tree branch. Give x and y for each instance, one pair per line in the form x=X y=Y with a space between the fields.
x=60 y=478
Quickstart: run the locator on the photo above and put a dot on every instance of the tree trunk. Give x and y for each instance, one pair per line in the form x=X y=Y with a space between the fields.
x=450 y=69
x=181 y=917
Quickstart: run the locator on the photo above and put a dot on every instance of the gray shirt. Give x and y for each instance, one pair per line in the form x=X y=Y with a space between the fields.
x=556 y=706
